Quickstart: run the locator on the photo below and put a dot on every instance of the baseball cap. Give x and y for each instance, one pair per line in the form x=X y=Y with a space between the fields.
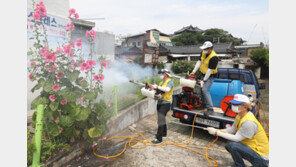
x=206 y=45
x=239 y=99
x=165 y=71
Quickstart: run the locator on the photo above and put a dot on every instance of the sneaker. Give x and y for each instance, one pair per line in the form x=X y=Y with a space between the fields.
x=156 y=141
x=208 y=112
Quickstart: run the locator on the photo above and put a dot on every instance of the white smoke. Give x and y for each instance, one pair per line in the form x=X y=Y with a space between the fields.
x=121 y=72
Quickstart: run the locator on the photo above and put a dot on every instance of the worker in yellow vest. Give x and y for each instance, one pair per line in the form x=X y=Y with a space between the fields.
x=248 y=139
x=164 y=104
x=208 y=65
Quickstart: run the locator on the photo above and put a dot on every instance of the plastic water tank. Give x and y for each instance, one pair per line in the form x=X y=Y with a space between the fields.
x=224 y=87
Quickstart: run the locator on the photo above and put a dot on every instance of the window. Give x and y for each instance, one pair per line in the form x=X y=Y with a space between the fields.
x=139 y=43
x=134 y=44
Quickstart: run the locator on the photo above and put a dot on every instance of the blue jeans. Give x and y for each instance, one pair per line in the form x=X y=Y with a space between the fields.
x=240 y=151
x=206 y=92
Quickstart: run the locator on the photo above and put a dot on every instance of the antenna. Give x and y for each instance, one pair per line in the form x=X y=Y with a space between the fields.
x=265 y=41
x=251 y=33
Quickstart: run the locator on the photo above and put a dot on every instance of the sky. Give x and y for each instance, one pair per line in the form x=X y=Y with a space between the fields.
x=246 y=19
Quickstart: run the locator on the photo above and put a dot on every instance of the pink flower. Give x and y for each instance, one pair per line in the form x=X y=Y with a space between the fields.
x=72 y=45
x=113 y=121
x=72 y=11
x=56 y=88
x=104 y=138
x=95 y=144
x=76 y=16
x=59 y=75
x=33 y=63
x=59 y=50
x=108 y=125
x=109 y=105
x=44 y=51
x=51 y=98
x=51 y=68
x=50 y=57
x=96 y=78
x=79 y=42
x=36 y=16
x=87 y=33
x=101 y=77
x=67 y=49
x=91 y=62
x=71 y=54
x=30 y=76
x=63 y=102
x=85 y=66
x=102 y=63
x=69 y=26
x=91 y=33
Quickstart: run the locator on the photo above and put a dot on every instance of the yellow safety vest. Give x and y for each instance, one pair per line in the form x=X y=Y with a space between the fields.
x=205 y=63
x=259 y=142
x=167 y=95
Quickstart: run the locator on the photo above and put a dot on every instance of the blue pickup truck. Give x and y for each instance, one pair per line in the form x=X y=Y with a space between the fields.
x=229 y=81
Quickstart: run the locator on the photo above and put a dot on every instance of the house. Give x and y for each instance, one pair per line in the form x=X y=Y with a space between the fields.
x=192 y=52
x=245 y=60
x=189 y=28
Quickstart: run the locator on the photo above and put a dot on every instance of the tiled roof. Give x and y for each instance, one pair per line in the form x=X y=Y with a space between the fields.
x=194 y=49
x=189 y=28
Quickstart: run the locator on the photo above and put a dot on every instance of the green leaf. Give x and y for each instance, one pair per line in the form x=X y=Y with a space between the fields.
x=30 y=53
x=53 y=106
x=89 y=95
x=47 y=86
x=95 y=132
x=37 y=101
x=73 y=76
x=84 y=84
x=66 y=121
x=48 y=112
x=38 y=85
x=54 y=129
x=82 y=113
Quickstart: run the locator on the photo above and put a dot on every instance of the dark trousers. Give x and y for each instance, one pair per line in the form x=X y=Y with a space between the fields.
x=240 y=151
x=162 y=110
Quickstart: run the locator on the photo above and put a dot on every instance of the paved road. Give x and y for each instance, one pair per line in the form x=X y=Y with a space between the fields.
x=162 y=156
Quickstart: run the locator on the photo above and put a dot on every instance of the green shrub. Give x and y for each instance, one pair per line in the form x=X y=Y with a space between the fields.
x=181 y=66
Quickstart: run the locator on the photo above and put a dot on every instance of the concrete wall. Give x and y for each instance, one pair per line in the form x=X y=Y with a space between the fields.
x=54 y=7
x=135 y=113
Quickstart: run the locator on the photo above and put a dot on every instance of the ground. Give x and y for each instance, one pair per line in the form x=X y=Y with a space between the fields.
x=162 y=156
x=154 y=156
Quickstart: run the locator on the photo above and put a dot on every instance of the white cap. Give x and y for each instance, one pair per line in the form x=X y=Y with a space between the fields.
x=206 y=45
x=239 y=99
x=165 y=71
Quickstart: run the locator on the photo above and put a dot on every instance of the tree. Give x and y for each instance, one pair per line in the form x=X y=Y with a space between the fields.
x=260 y=57
x=188 y=38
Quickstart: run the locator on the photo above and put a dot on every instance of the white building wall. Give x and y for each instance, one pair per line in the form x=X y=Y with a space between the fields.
x=54 y=7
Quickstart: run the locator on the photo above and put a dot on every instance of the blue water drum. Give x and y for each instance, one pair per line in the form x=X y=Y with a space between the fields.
x=224 y=87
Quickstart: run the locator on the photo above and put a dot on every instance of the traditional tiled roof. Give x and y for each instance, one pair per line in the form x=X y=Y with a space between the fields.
x=194 y=49
x=189 y=28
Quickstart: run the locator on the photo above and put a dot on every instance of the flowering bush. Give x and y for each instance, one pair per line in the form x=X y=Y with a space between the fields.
x=69 y=85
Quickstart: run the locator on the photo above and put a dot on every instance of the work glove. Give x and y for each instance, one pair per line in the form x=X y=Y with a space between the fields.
x=154 y=86
x=211 y=130
x=201 y=83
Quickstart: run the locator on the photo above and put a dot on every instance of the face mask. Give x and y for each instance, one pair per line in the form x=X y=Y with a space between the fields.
x=205 y=51
x=161 y=76
x=235 y=109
